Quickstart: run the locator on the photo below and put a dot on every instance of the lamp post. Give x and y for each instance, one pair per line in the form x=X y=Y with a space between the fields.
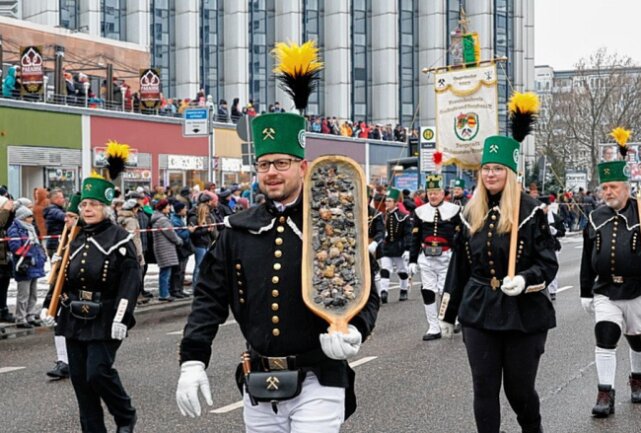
x=85 y=85
x=123 y=91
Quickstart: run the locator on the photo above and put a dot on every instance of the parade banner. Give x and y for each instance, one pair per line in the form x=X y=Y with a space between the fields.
x=150 y=88
x=31 y=70
x=466 y=113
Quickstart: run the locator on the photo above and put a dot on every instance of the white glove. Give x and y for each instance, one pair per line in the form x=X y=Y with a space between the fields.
x=447 y=329
x=372 y=248
x=413 y=268
x=46 y=319
x=55 y=258
x=513 y=287
x=118 y=331
x=588 y=305
x=341 y=346
x=192 y=378
x=406 y=256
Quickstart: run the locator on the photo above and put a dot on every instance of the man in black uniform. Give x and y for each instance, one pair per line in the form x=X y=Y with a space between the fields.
x=102 y=280
x=610 y=275
x=458 y=193
x=376 y=235
x=254 y=269
x=435 y=224
x=396 y=246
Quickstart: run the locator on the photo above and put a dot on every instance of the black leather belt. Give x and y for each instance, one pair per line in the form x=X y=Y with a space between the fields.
x=619 y=279
x=85 y=295
x=291 y=362
x=493 y=282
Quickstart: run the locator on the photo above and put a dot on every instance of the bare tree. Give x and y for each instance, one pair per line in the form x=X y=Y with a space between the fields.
x=604 y=92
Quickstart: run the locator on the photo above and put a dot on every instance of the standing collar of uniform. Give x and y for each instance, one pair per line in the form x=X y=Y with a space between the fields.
x=494 y=199
x=94 y=229
x=290 y=208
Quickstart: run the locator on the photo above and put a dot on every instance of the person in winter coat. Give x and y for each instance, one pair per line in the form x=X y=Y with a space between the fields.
x=9 y=85
x=6 y=218
x=41 y=197
x=54 y=216
x=184 y=251
x=29 y=262
x=165 y=242
x=202 y=237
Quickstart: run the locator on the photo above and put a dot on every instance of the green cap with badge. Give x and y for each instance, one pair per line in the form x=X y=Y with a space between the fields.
x=434 y=181
x=499 y=149
x=97 y=188
x=279 y=133
x=393 y=193
x=74 y=201
x=459 y=183
x=614 y=171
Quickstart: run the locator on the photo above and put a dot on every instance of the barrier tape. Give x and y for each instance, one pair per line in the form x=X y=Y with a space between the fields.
x=22 y=238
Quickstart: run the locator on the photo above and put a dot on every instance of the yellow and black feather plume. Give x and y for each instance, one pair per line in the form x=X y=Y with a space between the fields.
x=524 y=110
x=117 y=155
x=297 y=70
x=621 y=136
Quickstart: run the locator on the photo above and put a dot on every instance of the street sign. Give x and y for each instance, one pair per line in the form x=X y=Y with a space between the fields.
x=196 y=122
x=428 y=147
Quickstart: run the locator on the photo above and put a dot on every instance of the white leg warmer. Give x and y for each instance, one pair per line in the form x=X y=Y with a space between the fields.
x=606 y=365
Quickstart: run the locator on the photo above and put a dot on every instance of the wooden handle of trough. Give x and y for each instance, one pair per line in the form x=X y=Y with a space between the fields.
x=514 y=235
x=60 y=277
x=62 y=242
x=339 y=324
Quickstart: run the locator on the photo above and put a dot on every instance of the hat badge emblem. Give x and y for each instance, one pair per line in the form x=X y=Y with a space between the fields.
x=269 y=133
x=494 y=148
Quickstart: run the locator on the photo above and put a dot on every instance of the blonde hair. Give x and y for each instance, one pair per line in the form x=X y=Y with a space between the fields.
x=203 y=211
x=476 y=210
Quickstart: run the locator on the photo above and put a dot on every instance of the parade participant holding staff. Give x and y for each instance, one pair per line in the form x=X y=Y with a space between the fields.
x=254 y=269
x=610 y=274
x=505 y=318
x=101 y=282
x=396 y=245
x=376 y=235
x=435 y=224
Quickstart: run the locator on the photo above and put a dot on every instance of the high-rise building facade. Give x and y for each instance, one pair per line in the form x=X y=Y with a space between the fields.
x=374 y=50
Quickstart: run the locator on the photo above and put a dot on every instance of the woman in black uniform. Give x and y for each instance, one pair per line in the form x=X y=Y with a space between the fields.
x=505 y=320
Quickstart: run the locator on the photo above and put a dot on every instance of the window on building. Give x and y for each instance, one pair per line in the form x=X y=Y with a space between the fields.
x=163 y=43
x=69 y=14
x=313 y=29
x=212 y=48
x=261 y=63
x=453 y=18
x=361 y=61
x=113 y=19
x=408 y=60
x=504 y=47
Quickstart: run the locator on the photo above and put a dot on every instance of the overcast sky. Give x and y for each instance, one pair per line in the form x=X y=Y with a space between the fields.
x=566 y=30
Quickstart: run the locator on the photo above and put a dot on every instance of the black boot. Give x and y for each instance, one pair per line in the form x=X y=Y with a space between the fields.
x=635 y=387
x=384 y=296
x=403 y=295
x=6 y=316
x=60 y=371
x=604 y=402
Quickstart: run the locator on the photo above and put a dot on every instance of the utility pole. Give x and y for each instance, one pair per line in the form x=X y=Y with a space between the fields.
x=59 y=81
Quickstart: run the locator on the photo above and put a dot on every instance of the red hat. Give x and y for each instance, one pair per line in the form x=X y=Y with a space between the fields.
x=161 y=204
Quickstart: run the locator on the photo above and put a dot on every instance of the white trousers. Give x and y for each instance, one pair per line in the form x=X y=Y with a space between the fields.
x=625 y=313
x=554 y=285
x=434 y=271
x=61 y=348
x=389 y=263
x=317 y=409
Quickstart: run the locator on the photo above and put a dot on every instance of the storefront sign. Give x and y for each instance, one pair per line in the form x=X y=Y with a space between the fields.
x=100 y=159
x=196 y=122
x=31 y=70
x=61 y=175
x=231 y=164
x=139 y=174
x=428 y=148
x=150 y=88
x=185 y=162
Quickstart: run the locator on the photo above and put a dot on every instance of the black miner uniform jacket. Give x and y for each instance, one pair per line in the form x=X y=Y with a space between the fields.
x=460 y=201
x=375 y=230
x=398 y=234
x=479 y=264
x=611 y=262
x=434 y=226
x=102 y=263
x=254 y=268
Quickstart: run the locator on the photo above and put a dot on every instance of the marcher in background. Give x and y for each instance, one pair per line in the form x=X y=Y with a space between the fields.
x=458 y=193
x=165 y=242
x=184 y=251
x=557 y=229
x=376 y=237
x=102 y=282
x=395 y=250
x=6 y=219
x=435 y=225
x=505 y=320
x=29 y=260
x=610 y=274
x=205 y=233
x=408 y=201
x=54 y=216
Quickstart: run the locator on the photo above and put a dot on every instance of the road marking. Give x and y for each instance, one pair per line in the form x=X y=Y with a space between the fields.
x=563 y=289
x=239 y=404
x=10 y=369
x=229 y=322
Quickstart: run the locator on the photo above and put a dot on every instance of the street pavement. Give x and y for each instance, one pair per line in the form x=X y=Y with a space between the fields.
x=403 y=384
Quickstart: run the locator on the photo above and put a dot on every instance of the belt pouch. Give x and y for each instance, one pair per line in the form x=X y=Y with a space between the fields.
x=430 y=251
x=274 y=385
x=86 y=310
